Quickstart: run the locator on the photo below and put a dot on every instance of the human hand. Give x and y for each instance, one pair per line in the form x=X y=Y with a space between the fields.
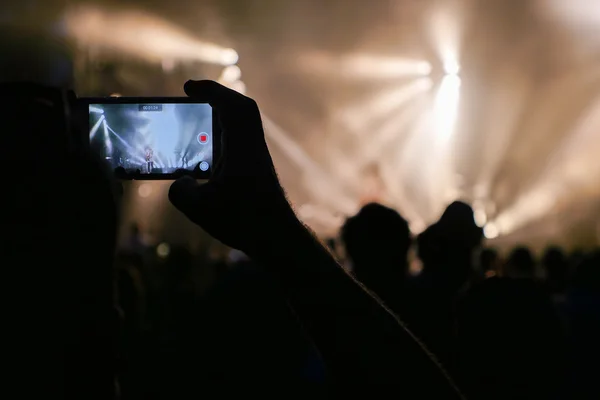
x=243 y=205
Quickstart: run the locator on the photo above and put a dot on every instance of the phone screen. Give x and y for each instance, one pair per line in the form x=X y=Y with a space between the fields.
x=153 y=140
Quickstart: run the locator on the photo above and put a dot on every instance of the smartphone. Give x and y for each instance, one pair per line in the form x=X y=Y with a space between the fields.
x=153 y=138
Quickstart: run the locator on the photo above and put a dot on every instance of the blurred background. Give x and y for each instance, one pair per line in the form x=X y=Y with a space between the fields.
x=412 y=103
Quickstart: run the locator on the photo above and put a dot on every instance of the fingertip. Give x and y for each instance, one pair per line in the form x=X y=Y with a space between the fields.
x=200 y=88
x=190 y=86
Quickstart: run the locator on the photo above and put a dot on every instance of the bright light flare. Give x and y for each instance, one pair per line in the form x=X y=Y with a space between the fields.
x=490 y=231
x=141 y=34
x=229 y=57
x=230 y=74
x=446 y=31
x=451 y=67
x=480 y=217
x=446 y=106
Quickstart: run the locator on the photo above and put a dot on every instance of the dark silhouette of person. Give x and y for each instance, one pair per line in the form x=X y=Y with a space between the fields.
x=360 y=342
x=59 y=222
x=582 y=309
x=520 y=264
x=511 y=342
x=556 y=266
x=446 y=250
x=377 y=241
x=489 y=263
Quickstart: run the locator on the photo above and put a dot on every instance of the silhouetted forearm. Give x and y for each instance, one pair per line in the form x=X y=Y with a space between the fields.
x=360 y=341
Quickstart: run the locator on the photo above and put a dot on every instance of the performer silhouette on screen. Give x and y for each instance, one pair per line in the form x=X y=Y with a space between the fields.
x=184 y=161
x=149 y=159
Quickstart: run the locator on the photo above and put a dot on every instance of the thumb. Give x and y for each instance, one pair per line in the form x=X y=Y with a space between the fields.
x=193 y=199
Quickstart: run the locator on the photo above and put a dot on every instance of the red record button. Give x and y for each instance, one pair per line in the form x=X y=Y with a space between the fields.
x=203 y=138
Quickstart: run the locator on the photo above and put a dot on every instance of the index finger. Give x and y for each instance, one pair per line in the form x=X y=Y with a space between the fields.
x=218 y=96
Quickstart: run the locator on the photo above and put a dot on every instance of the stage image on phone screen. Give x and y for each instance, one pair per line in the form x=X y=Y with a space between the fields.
x=153 y=138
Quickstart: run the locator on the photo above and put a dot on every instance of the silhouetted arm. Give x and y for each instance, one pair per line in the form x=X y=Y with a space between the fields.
x=360 y=341
x=245 y=207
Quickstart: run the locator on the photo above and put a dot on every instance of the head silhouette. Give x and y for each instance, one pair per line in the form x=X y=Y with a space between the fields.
x=587 y=273
x=520 y=263
x=447 y=246
x=557 y=268
x=377 y=241
x=488 y=261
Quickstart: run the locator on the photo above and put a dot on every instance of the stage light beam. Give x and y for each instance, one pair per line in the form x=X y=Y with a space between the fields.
x=359 y=117
x=96 y=127
x=107 y=141
x=141 y=34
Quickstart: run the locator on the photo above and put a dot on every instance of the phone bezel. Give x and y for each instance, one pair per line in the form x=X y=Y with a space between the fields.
x=196 y=173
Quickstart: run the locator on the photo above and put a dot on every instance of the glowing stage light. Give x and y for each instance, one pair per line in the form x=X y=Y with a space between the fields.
x=229 y=57
x=96 y=110
x=451 y=67
x=480 y=217
x=230 y=73
x=490 y=231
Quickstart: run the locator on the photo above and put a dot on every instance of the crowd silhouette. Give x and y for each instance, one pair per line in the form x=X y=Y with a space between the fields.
x=522 y=327
x=84 y=319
